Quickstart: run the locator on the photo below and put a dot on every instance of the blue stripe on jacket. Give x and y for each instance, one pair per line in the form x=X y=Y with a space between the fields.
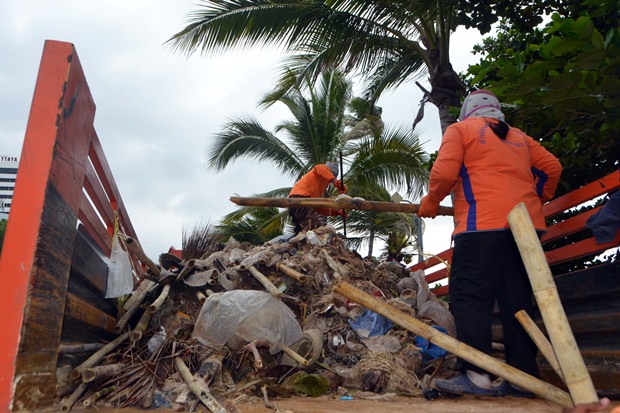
x=542 y=180
x=469 y=197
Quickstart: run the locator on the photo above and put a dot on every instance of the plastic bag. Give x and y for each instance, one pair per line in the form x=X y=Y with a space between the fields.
x=120 y=275
x=430 y=351
x=239 y=316
x=370 y=324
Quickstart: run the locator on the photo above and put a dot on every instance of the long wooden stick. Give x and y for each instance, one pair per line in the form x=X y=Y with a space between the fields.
x=515 y=376
x=540 y=340
x=571 y=362
x=342 y=203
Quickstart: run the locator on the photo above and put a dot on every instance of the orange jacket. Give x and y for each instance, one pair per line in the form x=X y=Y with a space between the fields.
x=489 y=176
x=314 y=183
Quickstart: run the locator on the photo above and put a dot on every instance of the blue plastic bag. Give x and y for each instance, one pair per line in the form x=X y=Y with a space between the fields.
x=370 y=324
x=430 y=351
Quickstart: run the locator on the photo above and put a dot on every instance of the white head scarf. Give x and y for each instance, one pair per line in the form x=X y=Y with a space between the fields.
x=481 y=104
x=333 y=166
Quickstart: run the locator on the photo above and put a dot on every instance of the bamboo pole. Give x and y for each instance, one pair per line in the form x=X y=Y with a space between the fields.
x=135 y=305
x=136 y=334
x=541 y=341
x=138 y=295
x=294 y=355
x=78 y=348
x=103 y=392
x=515 y=376
x=97 y=356
x=342 y=203
x=296 y=275
x=95 y=372
x=201 y=391
x=68 y=403
x=134 y=246
x=272 y=289
x=160 y=300
x=574 y=370
x=201 y=296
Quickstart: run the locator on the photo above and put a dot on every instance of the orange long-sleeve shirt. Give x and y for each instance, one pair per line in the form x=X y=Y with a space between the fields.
x=489 y=176
x=314 y=183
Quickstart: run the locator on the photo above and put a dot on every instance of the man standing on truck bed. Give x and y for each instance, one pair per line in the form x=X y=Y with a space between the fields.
x=489 y=167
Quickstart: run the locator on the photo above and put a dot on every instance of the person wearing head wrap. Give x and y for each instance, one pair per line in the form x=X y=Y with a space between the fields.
x=313 y=185
x=488 y=167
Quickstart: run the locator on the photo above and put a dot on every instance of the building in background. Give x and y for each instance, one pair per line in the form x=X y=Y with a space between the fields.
x=8 y=173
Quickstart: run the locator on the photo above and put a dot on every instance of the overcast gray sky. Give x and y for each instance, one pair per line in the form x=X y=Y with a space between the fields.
x=157 y=111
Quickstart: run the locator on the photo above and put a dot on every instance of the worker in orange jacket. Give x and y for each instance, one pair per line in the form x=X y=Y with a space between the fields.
x=489 y=167
x=313 y=185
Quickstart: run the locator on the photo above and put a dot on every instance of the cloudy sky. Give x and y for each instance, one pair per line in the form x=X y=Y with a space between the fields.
x=157 y=111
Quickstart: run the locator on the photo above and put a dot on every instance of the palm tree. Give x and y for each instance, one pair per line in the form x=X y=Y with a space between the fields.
x=377 y=157
x=385 y=42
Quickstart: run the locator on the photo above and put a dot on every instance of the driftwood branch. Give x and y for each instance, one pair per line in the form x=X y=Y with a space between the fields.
x=342 y=203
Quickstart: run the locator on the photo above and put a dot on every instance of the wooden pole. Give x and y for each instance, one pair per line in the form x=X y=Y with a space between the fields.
x=574 y=370
x=541 y=341
x=515 y=376
x=342 y=203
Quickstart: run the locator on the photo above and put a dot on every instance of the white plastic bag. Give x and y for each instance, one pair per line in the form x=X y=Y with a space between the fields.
x=120 y=276
x=239 y=316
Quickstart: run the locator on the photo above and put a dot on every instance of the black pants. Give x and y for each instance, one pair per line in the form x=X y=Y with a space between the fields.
x=487 y=266
x=305 y=218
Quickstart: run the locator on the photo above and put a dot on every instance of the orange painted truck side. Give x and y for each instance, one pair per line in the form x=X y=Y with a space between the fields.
x=58 y=235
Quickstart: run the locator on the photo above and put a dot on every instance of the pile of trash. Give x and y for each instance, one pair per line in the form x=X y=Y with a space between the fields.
x=258 y=322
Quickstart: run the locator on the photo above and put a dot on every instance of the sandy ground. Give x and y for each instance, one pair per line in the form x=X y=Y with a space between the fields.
x=397 y=405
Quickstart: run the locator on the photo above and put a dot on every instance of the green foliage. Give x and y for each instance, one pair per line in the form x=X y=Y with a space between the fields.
x=563 y=90
x=3 y=223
